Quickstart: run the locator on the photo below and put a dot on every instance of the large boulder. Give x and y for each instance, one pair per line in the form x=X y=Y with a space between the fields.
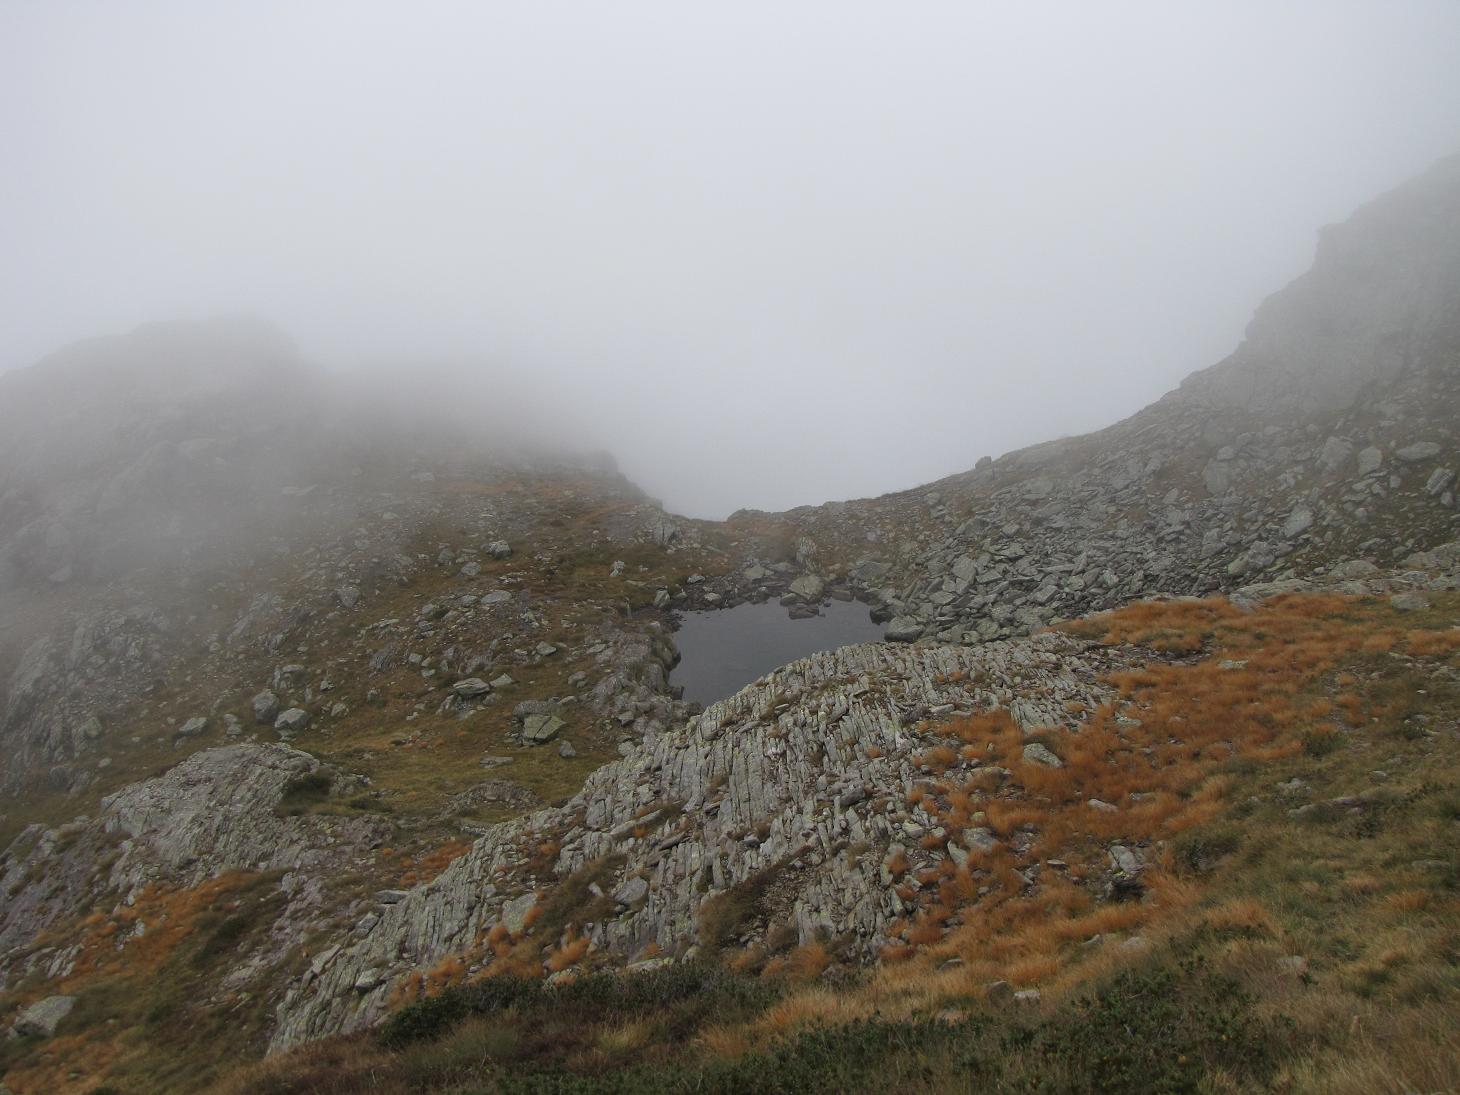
x=265 y=707
x=540 y=729
x=903 y=629
x=1336 y=453
x=1298 y=522
x=1420 y=450
x=291 y=722
x=808 y=588
x=41 y=1018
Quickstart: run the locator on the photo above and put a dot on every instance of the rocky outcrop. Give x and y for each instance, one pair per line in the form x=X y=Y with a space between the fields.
x=799 y=788
x=804 y=774
x=139 y=471
x=66 y=681
x=215 y=812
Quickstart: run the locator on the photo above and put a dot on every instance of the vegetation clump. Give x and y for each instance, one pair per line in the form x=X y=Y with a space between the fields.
x=303 y=793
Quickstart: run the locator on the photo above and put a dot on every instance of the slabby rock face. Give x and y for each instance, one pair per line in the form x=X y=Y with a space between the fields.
x=214 y=812
x=776 y=778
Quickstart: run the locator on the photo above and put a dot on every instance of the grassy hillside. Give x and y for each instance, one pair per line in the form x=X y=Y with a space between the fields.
x=1243 y=876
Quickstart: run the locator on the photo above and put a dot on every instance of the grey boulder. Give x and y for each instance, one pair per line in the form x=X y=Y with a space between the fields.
x=1409 y=602
x=41 y=1018
x=1035 y=753
x=539 y=729
x=265 y=707
x=903 y=629
x=192 y=728
x=808 y=587
x=1420 y=450
x=291 y=722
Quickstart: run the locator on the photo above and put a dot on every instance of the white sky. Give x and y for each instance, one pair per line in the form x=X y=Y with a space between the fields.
x=768 y=254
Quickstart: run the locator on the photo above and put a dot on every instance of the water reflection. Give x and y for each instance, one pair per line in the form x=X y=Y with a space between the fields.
x=725 y=649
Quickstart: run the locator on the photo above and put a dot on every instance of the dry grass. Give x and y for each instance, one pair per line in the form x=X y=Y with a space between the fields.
x=570 y=953
x=328 y=1067
x=1189 y=755
x=138 y=938
x=624 y=1039
x=1163 y=754
x=426 y=867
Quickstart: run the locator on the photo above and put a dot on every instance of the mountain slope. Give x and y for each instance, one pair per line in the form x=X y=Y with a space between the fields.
x=277 y=687
x=1329 y=434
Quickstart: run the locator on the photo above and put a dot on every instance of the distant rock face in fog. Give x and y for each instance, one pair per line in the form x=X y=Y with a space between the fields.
x=1383 y=295
x=1332 y=432
x=119 y=451
x=137 y=468
x=110 y=396
x=145 y=451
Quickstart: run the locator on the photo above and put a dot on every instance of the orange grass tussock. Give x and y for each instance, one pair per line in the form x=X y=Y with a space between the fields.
x=1138 y=771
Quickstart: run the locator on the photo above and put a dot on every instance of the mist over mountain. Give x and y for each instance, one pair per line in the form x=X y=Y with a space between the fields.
x=751 y=257
x=261 y=620
x=670 y=551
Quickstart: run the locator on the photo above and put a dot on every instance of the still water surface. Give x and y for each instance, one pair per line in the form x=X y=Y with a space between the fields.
x=723 y=650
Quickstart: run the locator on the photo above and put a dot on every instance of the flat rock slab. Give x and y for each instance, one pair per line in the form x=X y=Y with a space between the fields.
x=539 y=729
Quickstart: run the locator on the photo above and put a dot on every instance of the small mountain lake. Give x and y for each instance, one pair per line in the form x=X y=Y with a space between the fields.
x=724 y=649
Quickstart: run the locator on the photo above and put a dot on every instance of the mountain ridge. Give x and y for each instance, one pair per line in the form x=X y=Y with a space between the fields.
x=359 y=651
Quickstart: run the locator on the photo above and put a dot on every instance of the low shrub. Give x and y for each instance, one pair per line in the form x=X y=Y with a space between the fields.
x=303 y=792
x=436 y=1015
x=1201 y=849
x=690 y=991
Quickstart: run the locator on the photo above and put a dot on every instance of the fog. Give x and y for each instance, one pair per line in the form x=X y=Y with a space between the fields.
x=766 y=254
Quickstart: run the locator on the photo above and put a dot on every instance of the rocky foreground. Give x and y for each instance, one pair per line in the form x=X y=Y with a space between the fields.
x=800 y=786
x=798 y=783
